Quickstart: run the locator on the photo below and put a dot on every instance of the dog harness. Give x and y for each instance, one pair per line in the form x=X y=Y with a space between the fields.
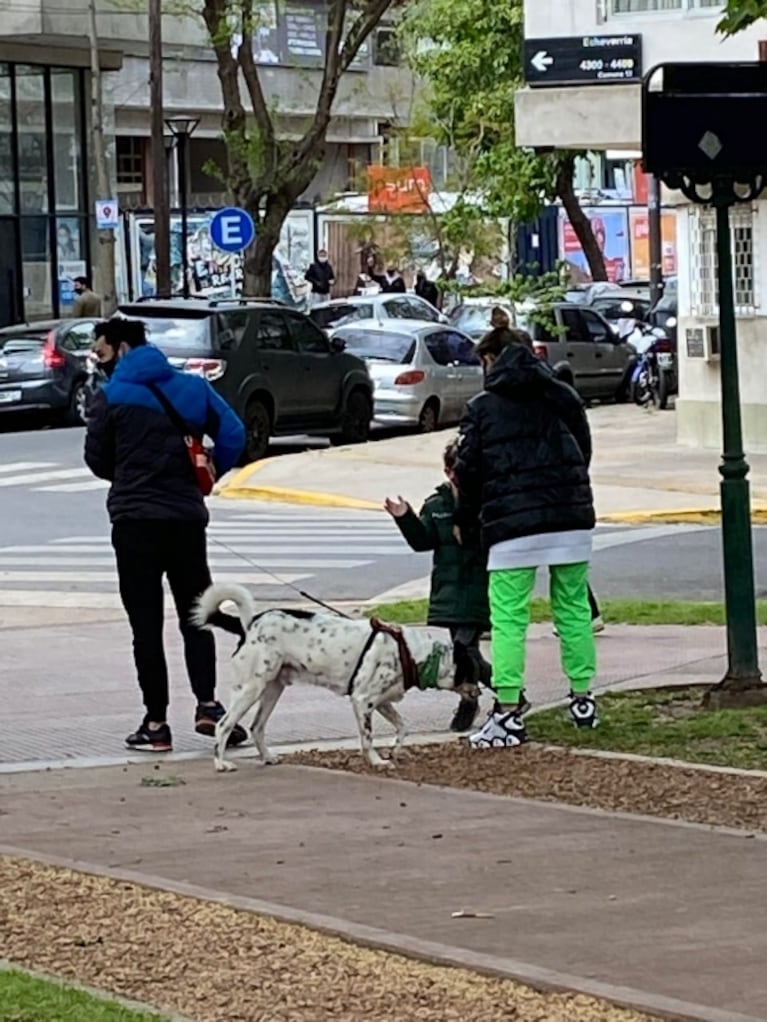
x=413 y=675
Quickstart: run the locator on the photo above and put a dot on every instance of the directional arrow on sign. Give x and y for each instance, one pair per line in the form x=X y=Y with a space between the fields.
x=542 y=61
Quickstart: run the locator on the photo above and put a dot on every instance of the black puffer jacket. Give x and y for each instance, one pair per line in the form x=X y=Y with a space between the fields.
x=524 y=453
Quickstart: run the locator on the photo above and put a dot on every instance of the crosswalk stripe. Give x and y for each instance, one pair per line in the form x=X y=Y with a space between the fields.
x=25 y=466
x=214 y=550
x=44 y=477
x=90 y=484
x=245 y=577
x=55 y=599
x=216 y=563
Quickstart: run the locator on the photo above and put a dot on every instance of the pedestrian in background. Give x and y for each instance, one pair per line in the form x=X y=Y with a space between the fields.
x=523 y=473
x=88 y=303
x=139 y=438
x=426 y=289
x=321 y=277
x=393 y=282
x=458 y=594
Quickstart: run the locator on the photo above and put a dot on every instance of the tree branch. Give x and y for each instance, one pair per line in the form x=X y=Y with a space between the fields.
x=253 y=82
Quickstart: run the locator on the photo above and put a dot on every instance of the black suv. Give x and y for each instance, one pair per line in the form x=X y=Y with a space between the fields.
x=273 y=365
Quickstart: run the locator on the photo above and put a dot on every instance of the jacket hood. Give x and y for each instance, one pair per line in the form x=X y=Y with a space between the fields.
x=518 y=373
x=145 y=364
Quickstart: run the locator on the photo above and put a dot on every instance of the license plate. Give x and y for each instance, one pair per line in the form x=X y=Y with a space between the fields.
x=7 y=397
x=664 y=361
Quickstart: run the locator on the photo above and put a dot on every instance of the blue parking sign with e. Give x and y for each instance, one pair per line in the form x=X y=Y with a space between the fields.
x=232 y=229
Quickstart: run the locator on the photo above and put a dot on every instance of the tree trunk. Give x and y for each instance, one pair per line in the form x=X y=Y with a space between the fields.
x=580 y=222
x=106 y=252
x=257 y=282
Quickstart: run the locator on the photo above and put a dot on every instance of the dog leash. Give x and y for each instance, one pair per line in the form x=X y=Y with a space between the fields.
x=281 y=581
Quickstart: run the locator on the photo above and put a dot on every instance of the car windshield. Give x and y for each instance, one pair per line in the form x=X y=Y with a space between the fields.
x=388 y=347
x=472 y=317
x=175 y=333
x=619 y=308
x=20 y=345
x=334 y=315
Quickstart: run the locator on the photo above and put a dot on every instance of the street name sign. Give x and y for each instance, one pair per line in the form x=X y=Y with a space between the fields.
x=583 y=60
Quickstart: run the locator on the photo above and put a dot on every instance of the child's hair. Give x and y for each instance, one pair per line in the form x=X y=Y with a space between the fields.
x=450 y=455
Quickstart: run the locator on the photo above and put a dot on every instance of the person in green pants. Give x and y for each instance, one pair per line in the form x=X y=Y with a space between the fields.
x=523 y=479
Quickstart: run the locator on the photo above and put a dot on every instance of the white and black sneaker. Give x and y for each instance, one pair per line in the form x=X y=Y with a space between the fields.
x=501 y=730
x=583 y=710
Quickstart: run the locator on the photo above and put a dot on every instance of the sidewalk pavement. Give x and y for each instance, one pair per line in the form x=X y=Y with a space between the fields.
x=639 y=473
x=69 y=694
x=666 y=916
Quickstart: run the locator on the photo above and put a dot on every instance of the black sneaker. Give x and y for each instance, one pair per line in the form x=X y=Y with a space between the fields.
x=583 y=710
x=465 y=714
x=146 y=739
x=206 y=718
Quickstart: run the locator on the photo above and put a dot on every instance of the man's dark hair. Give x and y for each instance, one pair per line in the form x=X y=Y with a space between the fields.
x=495 y=341
x=118 y=331
x=83 y=281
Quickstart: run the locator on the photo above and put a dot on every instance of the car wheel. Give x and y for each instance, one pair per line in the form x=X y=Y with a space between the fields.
x=428 y=420
x=355 y=424
x=258 y=428
x=77 y=414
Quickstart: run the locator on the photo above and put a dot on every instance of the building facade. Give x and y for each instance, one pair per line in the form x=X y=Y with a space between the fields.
x=607 y=117
x=46 y=187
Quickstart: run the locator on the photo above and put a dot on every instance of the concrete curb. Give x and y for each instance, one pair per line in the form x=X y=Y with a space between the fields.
x=691 y=516
x=545 y=980
x=101 y=995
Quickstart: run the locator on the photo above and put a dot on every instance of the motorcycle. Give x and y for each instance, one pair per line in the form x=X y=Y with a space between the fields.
x=655 y=375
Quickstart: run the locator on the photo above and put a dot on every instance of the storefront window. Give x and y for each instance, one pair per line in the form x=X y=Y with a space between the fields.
x=36 y=267
x=32 y=139
x=67 y=141
x=6 y=149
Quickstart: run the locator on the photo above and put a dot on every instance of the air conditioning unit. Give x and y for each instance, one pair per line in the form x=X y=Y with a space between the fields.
x=702 y=342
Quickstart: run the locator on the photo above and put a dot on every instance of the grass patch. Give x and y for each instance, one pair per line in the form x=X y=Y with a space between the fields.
x=28 y=999
x=618 y=612
x=664 y=723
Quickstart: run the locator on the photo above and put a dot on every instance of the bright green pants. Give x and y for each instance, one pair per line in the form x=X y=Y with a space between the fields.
x=510 y=594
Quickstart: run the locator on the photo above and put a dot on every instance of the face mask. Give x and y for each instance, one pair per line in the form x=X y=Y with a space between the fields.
x=323 y=259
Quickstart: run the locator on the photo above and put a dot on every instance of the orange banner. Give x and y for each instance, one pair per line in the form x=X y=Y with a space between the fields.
x=640 y=244
x=398 y=189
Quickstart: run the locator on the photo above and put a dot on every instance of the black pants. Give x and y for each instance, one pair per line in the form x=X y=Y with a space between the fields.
x=146 y=551
x=469 y=638
x=594 y=605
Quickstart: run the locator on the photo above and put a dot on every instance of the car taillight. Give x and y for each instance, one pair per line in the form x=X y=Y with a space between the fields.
x=409 y=378
x=541 y=351
x=211 y=368
x=52 y=357
x=662 y=344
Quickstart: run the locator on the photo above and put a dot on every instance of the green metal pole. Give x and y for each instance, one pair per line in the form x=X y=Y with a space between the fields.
x=740 y=597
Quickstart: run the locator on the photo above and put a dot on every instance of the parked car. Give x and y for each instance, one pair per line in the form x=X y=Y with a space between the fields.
x=581 y=347
x=275 y=367
x=43 y=368
x=622 y=304
x=423 y=373
x=664 y=314
x=472 y=315
x=339 y=311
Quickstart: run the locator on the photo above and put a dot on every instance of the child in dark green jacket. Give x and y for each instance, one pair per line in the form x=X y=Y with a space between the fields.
x=458 y=598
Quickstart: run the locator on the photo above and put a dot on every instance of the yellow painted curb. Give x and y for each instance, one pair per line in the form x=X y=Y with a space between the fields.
x=684 y=516
x=306 y=497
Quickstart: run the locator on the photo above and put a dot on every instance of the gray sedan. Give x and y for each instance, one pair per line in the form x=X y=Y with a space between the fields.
x=423 y=374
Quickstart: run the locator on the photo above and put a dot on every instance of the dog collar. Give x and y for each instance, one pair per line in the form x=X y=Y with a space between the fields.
x=428 y=671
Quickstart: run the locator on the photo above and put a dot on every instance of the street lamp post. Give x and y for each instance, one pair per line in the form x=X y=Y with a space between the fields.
x=182 y=129
x=697 y=138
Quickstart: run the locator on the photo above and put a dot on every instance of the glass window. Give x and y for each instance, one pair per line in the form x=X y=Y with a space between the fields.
x=573 y=324
x=598 y=331
x=67 y=143
x=36 y=267
x=308 y=337
x=174 y=333
x=7 y=201
x=231 y=328
x=461 y=350
x=397 y=308
x=78 y=338
x=273 y=333
x=418 y=309
x=381 y=345
x=33 y=149
x=334 y=315
x=438 y=346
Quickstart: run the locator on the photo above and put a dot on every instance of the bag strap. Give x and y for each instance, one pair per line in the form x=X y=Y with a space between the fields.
x=170 y=411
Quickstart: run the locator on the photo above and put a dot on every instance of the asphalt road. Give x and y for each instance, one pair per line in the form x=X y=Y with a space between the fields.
x=55 y=541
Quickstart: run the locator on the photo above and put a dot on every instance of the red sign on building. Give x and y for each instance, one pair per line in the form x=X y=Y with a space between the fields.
x=398 y=189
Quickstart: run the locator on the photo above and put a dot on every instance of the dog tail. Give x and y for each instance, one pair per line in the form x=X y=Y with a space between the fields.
x=214 y=596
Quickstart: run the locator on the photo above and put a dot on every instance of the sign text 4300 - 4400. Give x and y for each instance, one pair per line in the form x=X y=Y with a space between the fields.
x=583 y=60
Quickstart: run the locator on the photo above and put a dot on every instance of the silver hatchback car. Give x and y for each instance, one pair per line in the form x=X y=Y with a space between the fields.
x=423 y=374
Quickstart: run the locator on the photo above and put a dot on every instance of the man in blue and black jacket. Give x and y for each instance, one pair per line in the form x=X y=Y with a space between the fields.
x=158 y=514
